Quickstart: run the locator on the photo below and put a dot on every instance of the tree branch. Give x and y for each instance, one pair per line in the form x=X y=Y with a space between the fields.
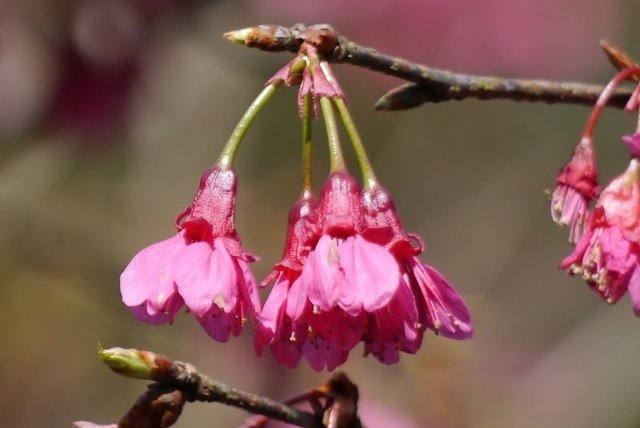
x=429 y=84
x=200 y=387
x=159 y=403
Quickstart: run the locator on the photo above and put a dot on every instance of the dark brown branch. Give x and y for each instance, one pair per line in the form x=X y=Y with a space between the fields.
x=200 y=387
x=178 y=376
x=429 y=84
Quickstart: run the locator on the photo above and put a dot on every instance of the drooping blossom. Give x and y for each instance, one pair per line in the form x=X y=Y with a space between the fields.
x=275 y=328
x=424 y=299
x=607 y=254
x=320 y=305
x=577 y=186
x=203 y=266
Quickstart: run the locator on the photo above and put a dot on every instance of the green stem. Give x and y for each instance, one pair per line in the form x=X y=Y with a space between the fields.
x=229 y=151
x=336 y=161
x=368 y=176
x=306 y=145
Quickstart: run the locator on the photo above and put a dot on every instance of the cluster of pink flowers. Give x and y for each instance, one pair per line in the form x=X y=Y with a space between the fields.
x=350 y=273
x=605 y=225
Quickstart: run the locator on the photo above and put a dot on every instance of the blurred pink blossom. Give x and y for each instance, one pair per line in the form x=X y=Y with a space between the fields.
x=78 y=69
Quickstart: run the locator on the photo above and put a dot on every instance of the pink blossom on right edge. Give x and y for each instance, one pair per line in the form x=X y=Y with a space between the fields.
x=577 y=186
x=423 y=290
x=608 y=254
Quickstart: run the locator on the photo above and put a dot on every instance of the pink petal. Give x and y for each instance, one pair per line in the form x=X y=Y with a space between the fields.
x=322 y=275
x=297 y=298
x=338 y=328
x=249 y=287
x=371 y=271
x=578 y=253
x=221 y=325
x=454 y=313
x=206 y=276
x=621 y=202
x=286 y=354
x=634 y=290
x=272 y=307
x=393 y=328
x=446 y=312
x=152 y=315
x=616 y=250
x=147 y=275
x=320 y=354
x=276 y=329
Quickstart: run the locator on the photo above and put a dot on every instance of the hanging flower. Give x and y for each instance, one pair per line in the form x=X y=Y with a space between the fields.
x=203 y=266
x=275 y=329
x=577 y=186
x=320 y=305
x=425 y=299
x=607 y=254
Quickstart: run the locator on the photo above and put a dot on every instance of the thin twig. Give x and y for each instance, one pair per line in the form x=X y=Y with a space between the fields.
x=177 y=375
x=429 y=84
x=202 y=388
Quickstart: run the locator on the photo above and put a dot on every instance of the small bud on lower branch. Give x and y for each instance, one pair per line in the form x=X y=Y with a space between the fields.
x=135 y=363
x=178 y=382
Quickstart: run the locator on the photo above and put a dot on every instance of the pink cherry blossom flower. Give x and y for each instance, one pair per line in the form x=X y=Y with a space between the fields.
x=329 y=282
x=275 y=329
x=425 y=298
x=577 y=186
x=607 y=254
x=203 y=266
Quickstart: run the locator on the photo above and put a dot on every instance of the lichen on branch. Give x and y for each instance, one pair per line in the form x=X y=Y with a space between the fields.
x=429 y=84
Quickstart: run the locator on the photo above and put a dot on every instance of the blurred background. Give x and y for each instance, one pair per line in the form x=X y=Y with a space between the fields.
x=111 y=109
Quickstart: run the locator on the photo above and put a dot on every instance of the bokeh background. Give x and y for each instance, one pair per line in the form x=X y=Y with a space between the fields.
x=111 y=109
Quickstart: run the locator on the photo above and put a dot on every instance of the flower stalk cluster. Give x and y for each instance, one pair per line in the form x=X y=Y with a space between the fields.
x=350 y=273
x=604 y=224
